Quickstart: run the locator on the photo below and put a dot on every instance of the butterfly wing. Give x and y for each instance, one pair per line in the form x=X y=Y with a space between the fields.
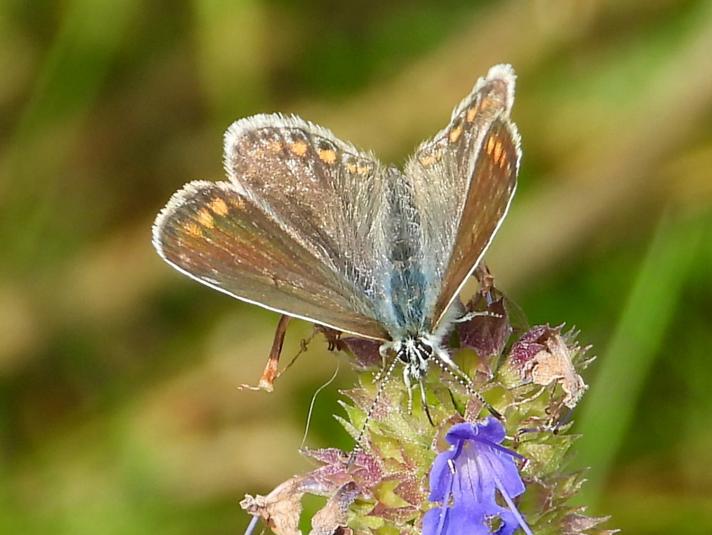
x=298 y=229
x=465 y=178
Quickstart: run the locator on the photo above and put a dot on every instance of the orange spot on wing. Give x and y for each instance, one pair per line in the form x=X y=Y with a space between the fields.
x=327 y=156
x=427 y=160
x=299 y=148
x=497 y=151
x=455 y=133
x=219 y=206
x=194 y=230
x=205 y=219
x=435 y=155
x=490 y=145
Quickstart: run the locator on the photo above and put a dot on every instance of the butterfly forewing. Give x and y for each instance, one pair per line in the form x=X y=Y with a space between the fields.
x=296 y=230
x=326 y=194
x=321 y=188
x=462 y=195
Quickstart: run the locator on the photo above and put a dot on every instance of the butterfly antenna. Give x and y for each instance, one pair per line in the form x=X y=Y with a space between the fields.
x=459 y=376
x=382 y=380
x=313 y=401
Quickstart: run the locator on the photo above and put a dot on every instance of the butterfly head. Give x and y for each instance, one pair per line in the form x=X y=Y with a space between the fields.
x=414 y=352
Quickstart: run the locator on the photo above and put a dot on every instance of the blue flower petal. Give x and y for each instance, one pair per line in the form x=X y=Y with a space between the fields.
x=473 y=476
x=467 y=479
x=456 y=520
x=461 y=519
x=441 y=477
x=490 y=431
x=503 y=471
x=461 y=432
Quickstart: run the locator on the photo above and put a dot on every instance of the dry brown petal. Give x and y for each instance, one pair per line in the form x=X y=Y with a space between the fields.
x=280 y=509
x=553 y=364
x=333 y=516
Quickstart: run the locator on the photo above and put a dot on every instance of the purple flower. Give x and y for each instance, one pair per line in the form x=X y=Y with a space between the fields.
x=466 y=479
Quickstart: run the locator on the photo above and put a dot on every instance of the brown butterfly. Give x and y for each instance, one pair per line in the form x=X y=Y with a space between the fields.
x=312 y=227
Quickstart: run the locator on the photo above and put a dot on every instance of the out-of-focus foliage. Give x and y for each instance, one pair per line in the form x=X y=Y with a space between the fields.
x=119 y=407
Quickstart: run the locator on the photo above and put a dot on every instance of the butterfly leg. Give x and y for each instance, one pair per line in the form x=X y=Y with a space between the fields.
x=384 y=349
x=477 y=313
x=382 y=381
x=424 y=402
x=271 y=371
x=444 y=356
x=409 y=388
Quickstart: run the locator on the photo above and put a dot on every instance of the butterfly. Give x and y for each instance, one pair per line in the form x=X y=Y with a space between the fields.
x=312 y=227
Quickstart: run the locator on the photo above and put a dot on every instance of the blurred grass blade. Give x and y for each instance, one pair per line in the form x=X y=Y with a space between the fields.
x=67 y=84
x=652 y=303
x=233 y=44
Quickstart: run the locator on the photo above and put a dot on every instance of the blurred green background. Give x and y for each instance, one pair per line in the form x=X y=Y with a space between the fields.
x=119 y=406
